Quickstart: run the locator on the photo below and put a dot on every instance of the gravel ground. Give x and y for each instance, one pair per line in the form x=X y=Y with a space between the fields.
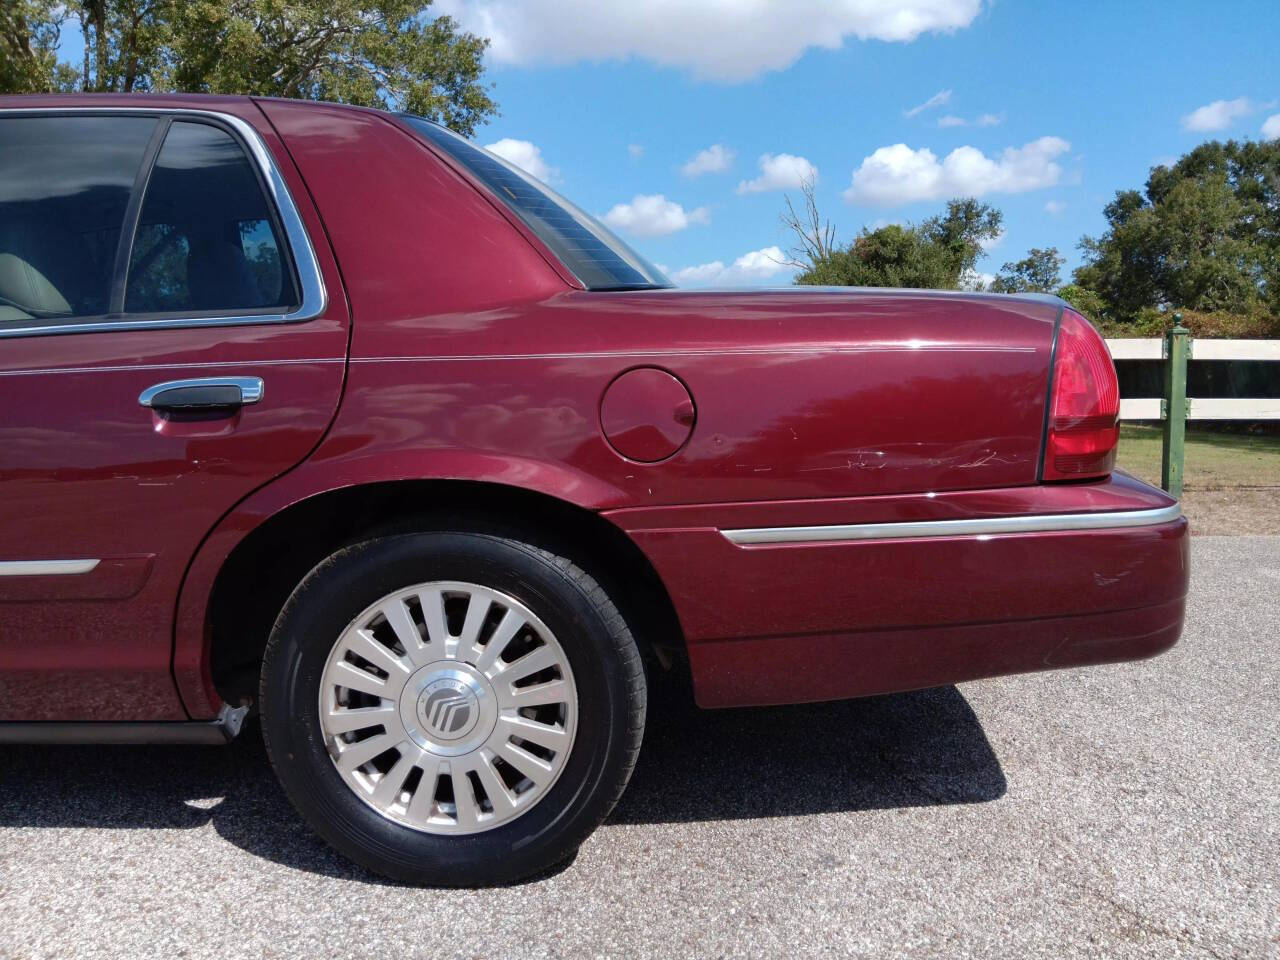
x=1125 y=811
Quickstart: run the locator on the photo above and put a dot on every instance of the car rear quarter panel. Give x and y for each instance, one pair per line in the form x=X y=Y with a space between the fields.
x=474 y=357
x=468 y=340
x=866 y=398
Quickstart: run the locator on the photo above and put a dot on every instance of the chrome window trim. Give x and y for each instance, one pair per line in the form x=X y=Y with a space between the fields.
x=990 y=526
x=45 y=568
x=315 y=298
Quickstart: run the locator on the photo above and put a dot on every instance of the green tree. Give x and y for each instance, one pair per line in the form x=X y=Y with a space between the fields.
x=889 y=256
x=387 y=53
x=939 y=253
x=1039 y=272
x=1204 y=235
x=959 y=233
x=29 y=35
x=124 y=43
x=1085 y=301
x=384 y=52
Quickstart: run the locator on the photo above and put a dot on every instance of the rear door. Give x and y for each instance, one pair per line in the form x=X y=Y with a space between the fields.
x=172 y=336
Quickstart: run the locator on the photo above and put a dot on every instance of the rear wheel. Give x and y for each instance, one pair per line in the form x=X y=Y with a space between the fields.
x=452 y=708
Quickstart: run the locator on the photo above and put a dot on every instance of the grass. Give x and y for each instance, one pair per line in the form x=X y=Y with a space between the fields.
x=1231 y=484
x=1214 y=461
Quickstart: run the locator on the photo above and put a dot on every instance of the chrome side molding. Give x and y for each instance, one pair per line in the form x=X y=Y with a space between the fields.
x=45 y=568
x=991 y=526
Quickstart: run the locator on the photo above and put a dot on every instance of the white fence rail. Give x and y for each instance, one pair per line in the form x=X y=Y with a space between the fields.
x=1200 y=408
x=1151 y=348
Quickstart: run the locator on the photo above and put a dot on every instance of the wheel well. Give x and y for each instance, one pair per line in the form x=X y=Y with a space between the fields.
x=262 y=571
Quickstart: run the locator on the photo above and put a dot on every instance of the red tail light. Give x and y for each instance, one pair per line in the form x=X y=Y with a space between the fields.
x=1084 y=405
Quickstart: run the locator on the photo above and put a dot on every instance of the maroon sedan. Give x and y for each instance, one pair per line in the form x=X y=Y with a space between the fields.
x=328 y=415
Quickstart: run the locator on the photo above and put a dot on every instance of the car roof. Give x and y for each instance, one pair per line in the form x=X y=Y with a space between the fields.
x=158 y=101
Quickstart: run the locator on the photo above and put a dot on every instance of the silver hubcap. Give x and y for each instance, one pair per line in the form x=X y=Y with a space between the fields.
x=448 y=707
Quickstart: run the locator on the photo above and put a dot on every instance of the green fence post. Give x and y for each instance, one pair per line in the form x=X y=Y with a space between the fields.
x=1177 y=349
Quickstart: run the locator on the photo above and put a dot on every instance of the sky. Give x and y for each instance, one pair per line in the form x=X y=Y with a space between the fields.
x=683 y=124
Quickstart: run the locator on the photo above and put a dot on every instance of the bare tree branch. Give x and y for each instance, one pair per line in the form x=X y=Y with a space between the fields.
x=815 y=237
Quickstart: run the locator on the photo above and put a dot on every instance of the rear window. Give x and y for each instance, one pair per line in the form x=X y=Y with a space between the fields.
x=205 y=239
x=589 y=249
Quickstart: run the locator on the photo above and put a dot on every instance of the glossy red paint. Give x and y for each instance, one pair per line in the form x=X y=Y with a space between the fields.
x=878 y=607
x=410 y=232
x=475 y=356
x=646 y=414
x=857 y=591
x=826 y=412
x=762 y=671
x=1118 y=492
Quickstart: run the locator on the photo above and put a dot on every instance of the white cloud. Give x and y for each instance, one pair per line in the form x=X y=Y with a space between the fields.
x=753 y=267
x=718 y=39
x=700 y=276
x=524 y=155
x=897 y=174
x=937 y=100
x=983 y=120
x=990 y=243
x=653 y=215
x=717 y=158
x=1218 y=115
x=781 y=171
x=1055 y=207
x=761 y=263
x=1271 y=127
x=635 y=150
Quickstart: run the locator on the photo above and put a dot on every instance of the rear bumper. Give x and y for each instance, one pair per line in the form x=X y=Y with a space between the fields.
x=779 y=613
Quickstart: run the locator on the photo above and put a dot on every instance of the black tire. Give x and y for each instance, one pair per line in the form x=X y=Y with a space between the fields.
x=601 y=651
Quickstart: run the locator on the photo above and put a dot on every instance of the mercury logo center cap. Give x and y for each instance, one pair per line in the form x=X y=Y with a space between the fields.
x=448 y=708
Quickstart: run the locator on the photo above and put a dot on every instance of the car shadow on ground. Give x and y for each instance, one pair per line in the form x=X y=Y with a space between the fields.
x=916 y=749
x=924 y=748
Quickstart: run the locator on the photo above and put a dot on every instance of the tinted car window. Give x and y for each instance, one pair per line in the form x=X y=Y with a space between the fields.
x=586 y=246
x=206 y=240
x=64 y=186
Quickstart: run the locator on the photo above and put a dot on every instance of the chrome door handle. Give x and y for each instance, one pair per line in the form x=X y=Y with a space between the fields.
x=203 y=393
